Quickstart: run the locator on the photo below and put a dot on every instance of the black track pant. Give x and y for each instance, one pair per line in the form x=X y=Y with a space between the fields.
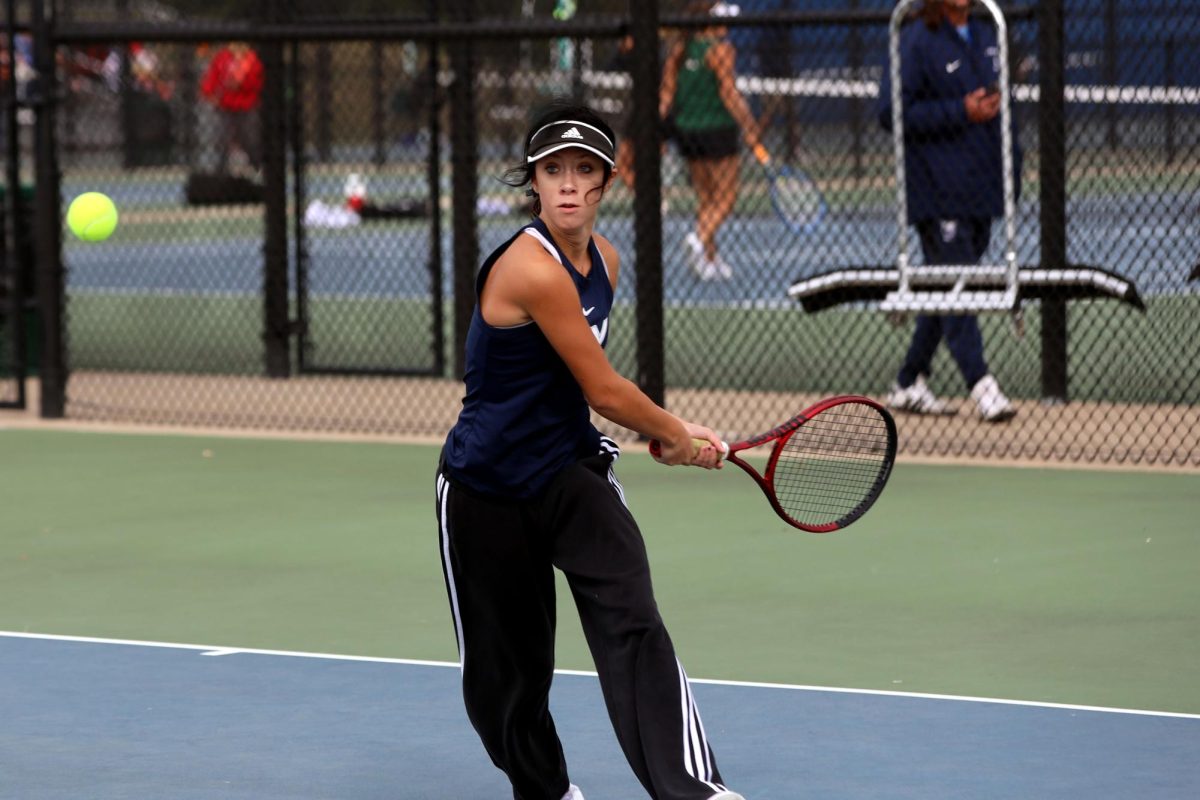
x=498 y=557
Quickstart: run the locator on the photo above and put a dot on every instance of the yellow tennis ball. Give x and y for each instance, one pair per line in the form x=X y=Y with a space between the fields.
x=92 y=217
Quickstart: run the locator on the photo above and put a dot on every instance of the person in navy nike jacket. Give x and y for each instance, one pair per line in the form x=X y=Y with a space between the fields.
x=949 y=71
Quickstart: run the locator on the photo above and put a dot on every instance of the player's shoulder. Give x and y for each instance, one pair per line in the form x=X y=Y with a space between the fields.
x=607 y=249
x=924 y=46
x=983 y=33
x=722 y=52
x=915 y=31
x=529 y=247
x=527 y=258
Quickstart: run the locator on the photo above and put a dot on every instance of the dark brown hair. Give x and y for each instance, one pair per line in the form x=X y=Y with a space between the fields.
x=931 y=14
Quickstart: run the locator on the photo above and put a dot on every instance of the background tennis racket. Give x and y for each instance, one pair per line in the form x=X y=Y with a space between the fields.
x=828 y=464
x=795 y=197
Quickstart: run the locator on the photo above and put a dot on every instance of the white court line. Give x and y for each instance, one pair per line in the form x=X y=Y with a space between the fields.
x=210 y=650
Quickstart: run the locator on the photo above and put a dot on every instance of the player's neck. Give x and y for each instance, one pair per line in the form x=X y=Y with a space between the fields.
x=574 y=243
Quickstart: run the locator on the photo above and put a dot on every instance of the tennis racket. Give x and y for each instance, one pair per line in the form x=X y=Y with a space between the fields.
x=795 y=197
x=828 y=465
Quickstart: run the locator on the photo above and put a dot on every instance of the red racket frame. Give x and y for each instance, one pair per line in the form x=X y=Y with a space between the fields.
x=781 y=434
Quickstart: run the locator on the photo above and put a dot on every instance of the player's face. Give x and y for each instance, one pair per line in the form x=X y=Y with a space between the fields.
x=570 y=184
x=956 y=11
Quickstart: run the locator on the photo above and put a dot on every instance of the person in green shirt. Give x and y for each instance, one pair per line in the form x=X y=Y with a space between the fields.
x=699 y=95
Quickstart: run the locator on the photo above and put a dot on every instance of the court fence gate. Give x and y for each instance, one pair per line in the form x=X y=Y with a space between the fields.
x=316 y=274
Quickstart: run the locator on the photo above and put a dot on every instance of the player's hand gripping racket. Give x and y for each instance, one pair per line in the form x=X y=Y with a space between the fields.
x=828 y=465
x=795 y=197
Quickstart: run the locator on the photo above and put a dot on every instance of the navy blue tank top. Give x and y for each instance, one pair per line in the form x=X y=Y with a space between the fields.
x=524 y=418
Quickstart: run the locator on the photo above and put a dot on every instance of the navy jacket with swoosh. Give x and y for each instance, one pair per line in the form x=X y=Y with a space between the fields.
x=953 y=166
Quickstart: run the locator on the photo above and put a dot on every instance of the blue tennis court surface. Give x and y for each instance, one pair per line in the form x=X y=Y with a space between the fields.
x=86 y=718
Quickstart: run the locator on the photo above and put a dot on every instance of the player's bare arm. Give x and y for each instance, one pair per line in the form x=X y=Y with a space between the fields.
x=666 y=92
x=721 y=58
x=612 y=259
x=708 y=457
x=527 y=284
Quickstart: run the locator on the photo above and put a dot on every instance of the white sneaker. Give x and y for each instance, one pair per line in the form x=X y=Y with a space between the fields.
x=726 y=796
x=573 y=793
x=993 y=405
x=719 y=269
x=694 y=253
x=918 y=399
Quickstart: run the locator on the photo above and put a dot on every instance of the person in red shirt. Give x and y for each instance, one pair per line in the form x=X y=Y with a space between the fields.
x=233 y=83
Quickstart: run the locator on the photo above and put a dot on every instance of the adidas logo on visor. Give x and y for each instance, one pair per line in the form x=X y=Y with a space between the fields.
x=566 y=133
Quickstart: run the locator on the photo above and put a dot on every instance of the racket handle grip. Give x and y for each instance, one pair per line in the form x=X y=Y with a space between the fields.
x=697 y=444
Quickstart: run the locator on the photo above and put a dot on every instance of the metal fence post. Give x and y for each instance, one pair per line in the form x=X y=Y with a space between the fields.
x=434 y=176
x=1111 y=70
x=129 y=123
x=297 y=142
x=1053 y=194
x=379 y=112
x=647 y=201
x=276 y=325
x=188 y=80
x=324 y=103
x=14 y=232
x=464 y=154
x=51 y=283
x=1169 y=111
x=854 y=47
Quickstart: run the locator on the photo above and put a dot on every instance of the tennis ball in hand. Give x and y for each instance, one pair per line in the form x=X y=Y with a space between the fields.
x=92 y=217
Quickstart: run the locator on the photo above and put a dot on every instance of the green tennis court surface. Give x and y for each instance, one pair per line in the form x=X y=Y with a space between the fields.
x=1040 y=585
x=141 y=332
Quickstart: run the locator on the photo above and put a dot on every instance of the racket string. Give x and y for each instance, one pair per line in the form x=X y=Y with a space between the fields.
x=797 y=198
x=833 y=465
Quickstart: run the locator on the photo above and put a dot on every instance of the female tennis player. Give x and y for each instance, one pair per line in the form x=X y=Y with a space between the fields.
x=699 y=95
x=526 y=484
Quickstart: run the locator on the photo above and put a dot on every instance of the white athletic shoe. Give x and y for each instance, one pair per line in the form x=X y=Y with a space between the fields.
x=726 y=796
x=719 y=269
x=573 y=793
x=918 y=399
x=694 y=253
x=993 y=405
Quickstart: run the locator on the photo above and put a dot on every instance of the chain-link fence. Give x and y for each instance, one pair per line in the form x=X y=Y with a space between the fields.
x=1107 y=357
x=298 y=254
